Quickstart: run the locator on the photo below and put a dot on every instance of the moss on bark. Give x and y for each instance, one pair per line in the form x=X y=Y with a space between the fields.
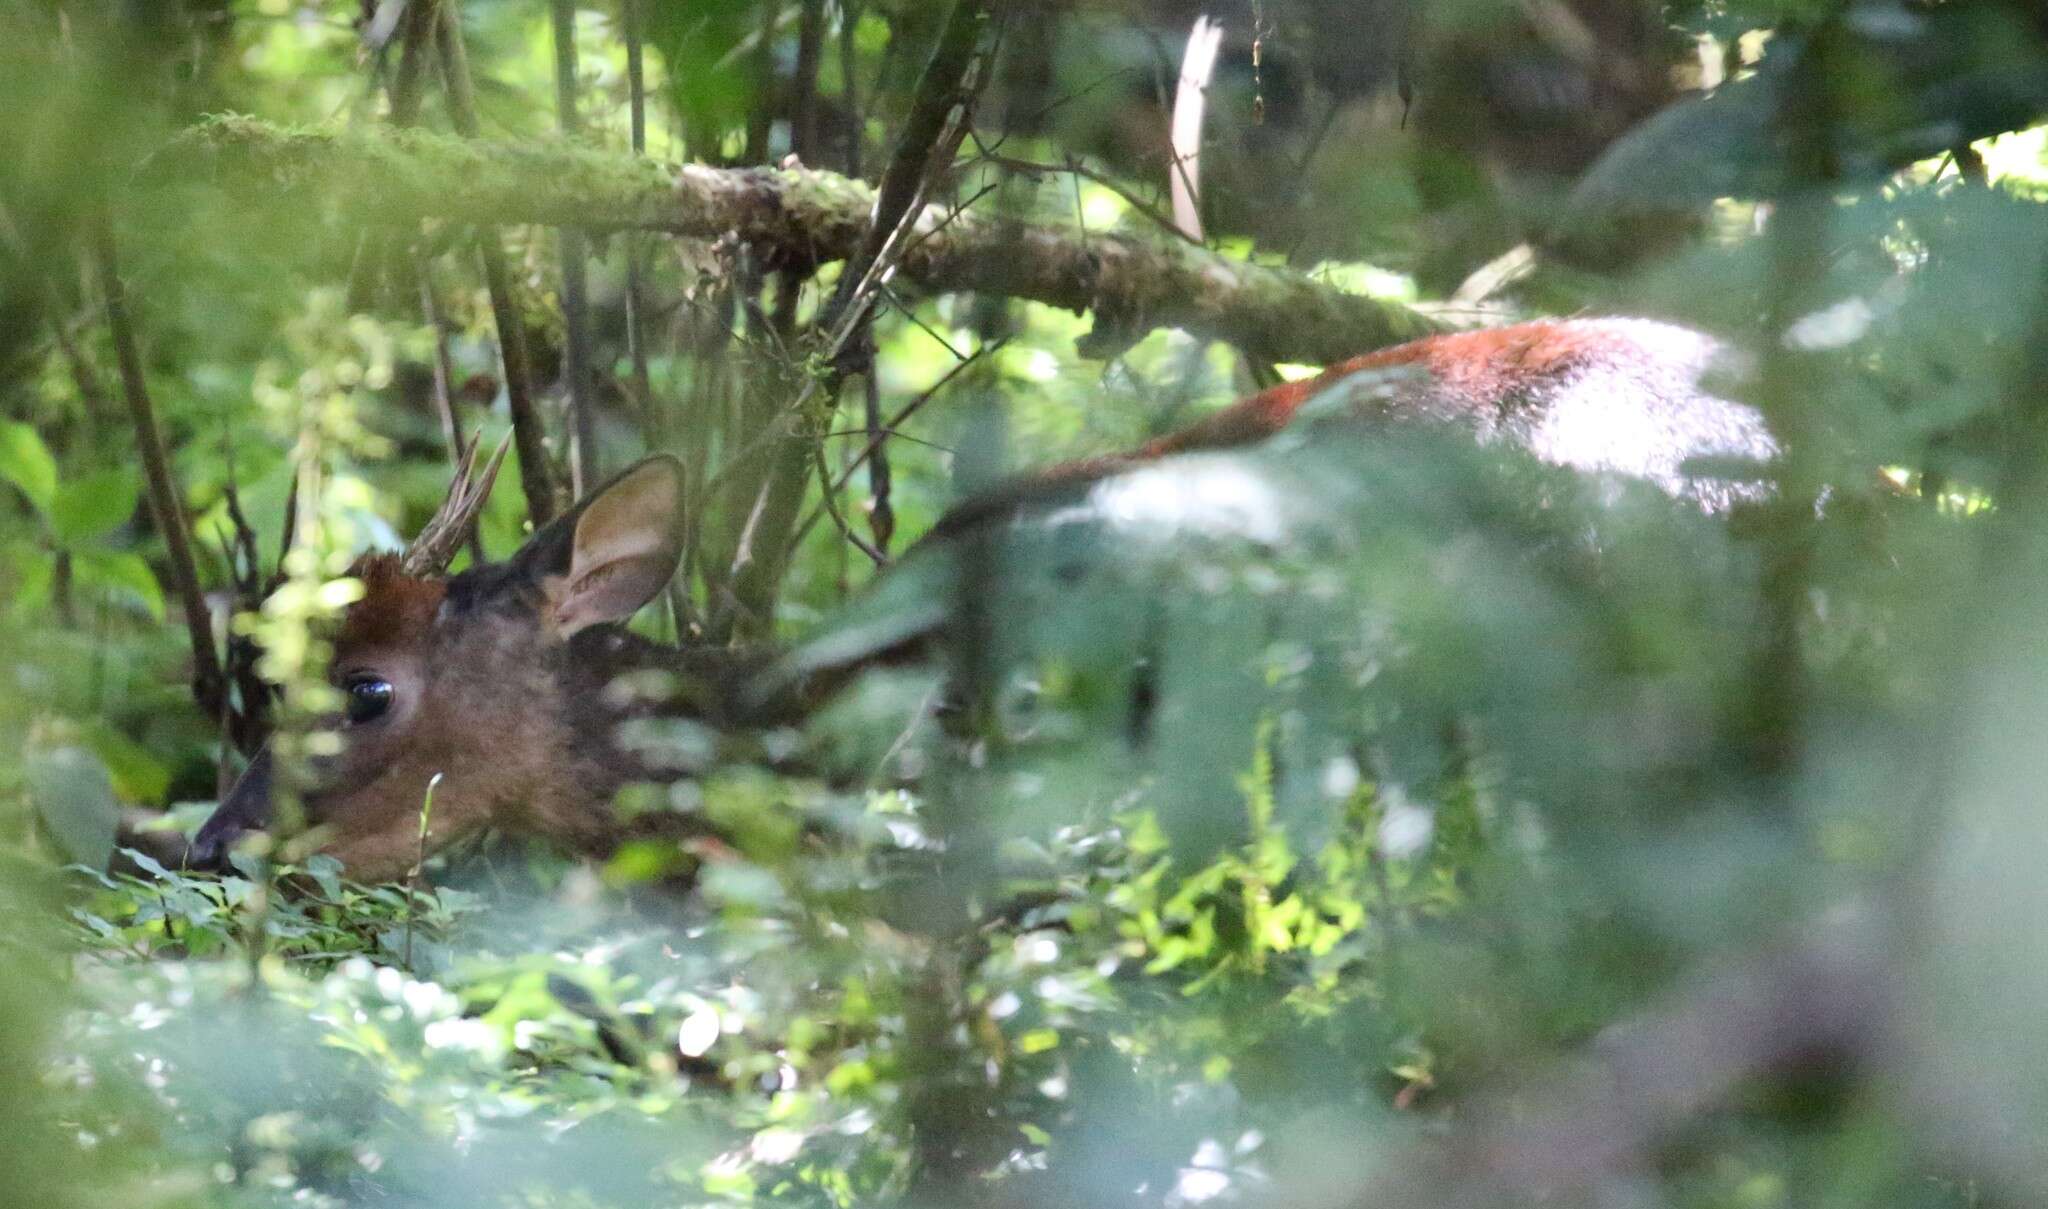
x=1132 y=281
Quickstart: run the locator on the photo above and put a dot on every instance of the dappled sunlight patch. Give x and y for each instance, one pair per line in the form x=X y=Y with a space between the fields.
x=1199 y=498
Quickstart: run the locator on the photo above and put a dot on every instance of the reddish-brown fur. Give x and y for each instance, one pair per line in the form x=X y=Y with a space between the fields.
x=394 y=606
x=1493 y=364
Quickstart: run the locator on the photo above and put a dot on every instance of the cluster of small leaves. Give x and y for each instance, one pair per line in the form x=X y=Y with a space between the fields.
x=167 y=913
x=81 y=521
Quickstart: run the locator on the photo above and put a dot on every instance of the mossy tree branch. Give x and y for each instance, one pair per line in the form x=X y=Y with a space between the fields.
x=1133 y=281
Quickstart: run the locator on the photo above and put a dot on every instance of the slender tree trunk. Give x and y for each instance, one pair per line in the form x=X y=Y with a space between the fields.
x=584 y=463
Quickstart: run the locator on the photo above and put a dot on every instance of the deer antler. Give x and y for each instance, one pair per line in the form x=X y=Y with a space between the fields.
x=430 y=552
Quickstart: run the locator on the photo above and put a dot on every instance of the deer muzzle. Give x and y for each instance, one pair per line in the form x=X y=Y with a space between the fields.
x=245 y=809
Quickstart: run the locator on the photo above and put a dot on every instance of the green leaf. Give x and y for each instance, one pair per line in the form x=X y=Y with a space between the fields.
x=123 y=573
x=326 y=873
x=75 y=797
x=101 y=927
x=139 y=776
x=91 y=506
x=37 y=570
x=26 y=462
x=1038 y=1040
x=150 y=865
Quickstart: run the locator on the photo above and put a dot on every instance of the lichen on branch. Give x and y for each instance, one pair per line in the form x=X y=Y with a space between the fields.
x=1132 y=281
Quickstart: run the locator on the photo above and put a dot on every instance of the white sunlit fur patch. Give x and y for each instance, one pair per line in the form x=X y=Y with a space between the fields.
x=1214 y=496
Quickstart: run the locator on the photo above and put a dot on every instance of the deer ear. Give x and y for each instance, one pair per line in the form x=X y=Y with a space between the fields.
x=628 y=539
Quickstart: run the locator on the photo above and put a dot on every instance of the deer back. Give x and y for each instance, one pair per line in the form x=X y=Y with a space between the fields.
x=1629 y=398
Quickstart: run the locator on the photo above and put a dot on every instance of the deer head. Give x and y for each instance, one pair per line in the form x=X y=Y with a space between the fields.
x=491 y=679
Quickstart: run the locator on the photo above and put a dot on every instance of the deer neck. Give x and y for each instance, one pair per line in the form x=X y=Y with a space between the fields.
x=639 y=712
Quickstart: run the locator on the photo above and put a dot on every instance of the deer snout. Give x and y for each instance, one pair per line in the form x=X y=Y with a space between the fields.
x=245 y=809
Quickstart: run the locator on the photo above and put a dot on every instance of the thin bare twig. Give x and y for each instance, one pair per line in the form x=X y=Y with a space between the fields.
x=654 y=421
x=408 y=85
x=379 y=251
x=636 y=305
x=1145 y=209
x=761 y=119
x=373 y=250
x=849 y=84
x=895 y=422
x=288 y=531
x=803 y=86
x=915 y=405
x=895 y=434
x=444 y=393
x=881 y=511
x=249 y=725
x=208 y=686
x=931 y=135
x=828 y=499
x=575 y=250
x=762 y=424
x=954 y=212
x=930 y=139
x=536 y=477
x=910 y=314
x=84 y=378
x=444 y=368
x=882 y=515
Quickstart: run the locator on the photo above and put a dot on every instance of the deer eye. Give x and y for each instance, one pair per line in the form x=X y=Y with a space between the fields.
x=368 y=698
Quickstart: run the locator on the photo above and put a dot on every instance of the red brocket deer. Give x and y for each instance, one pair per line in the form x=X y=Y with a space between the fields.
x=506 y=680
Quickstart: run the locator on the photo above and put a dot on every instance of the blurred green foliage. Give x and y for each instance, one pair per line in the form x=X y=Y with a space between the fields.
x=1452 y=766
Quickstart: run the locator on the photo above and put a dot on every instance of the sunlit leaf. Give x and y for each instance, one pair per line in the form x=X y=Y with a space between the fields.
x=139 y=775
x=123 y=573
x=26 y=462
x=87 y=508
